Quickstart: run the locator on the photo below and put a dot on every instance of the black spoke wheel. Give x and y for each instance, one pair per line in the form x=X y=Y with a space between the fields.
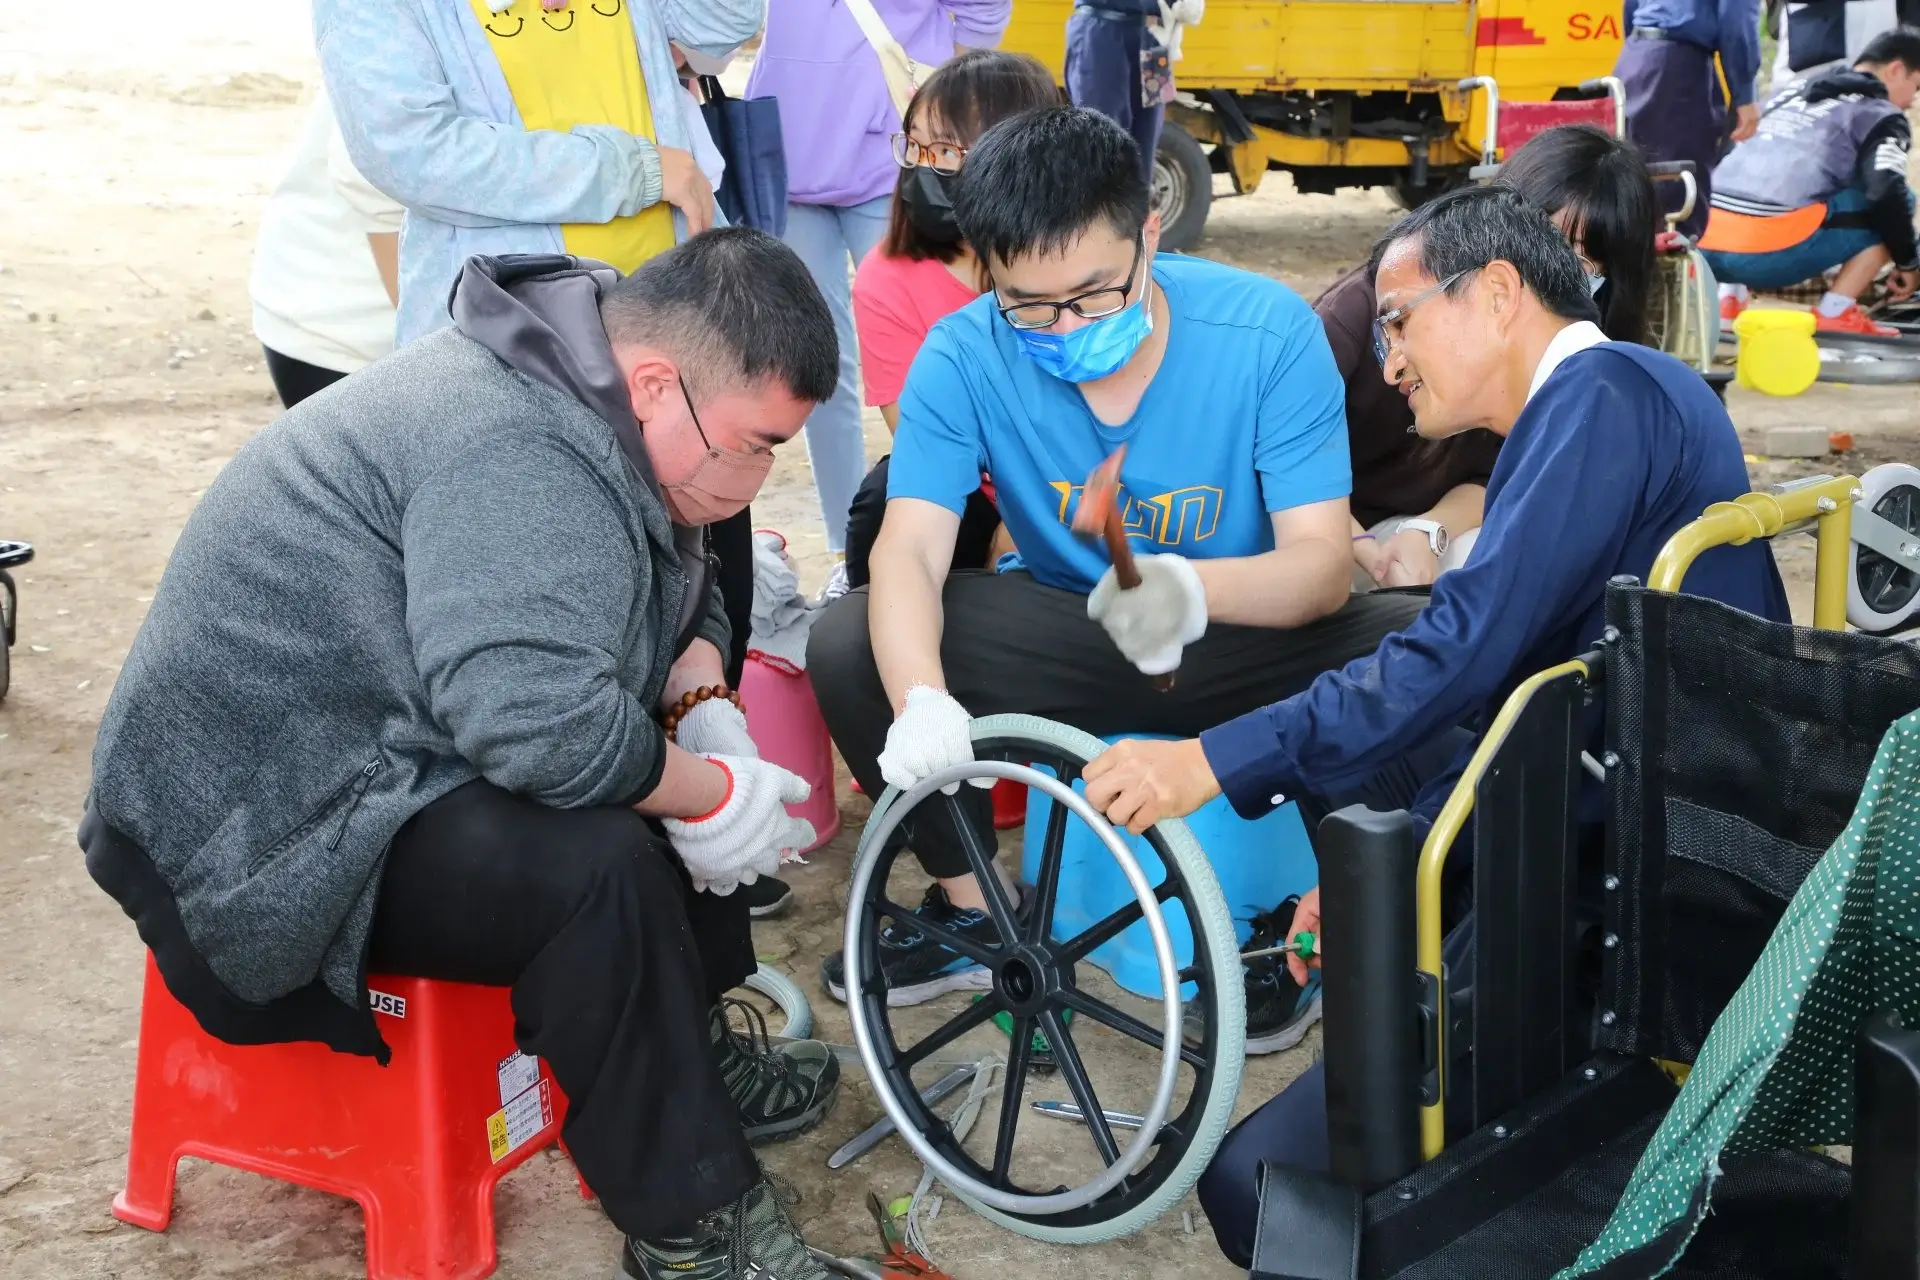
x=1038 y=982
x=1882 y=591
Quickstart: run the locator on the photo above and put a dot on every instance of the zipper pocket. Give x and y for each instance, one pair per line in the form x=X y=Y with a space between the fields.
x=360 y=786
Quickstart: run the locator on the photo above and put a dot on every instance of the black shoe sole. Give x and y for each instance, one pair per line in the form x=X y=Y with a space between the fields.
x=774 y=1133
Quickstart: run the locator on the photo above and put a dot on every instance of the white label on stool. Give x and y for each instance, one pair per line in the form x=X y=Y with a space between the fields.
x=519 y=1121
x=518 y=1073
x=381 y=1002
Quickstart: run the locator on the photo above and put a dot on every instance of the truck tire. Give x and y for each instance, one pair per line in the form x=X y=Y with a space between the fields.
x=1439 y=182
x=1182 y=188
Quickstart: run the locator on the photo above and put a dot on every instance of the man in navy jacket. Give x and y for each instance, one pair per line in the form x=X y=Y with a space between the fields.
x=1486 y=321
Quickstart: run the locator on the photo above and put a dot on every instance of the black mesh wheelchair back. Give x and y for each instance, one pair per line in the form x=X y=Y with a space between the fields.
x=1737 y=749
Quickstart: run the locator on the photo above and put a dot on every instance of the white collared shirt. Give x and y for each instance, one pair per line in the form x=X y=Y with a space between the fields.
x=1576 y=337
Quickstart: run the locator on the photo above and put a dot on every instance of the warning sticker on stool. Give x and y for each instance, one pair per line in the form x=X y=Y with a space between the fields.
x=517 y=1073
x=520 y=1121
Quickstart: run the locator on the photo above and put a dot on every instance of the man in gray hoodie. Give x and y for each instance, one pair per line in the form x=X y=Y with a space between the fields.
x=394 y=710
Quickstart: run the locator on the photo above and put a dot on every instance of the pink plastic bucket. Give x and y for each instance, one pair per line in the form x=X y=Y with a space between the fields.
x=784 y=721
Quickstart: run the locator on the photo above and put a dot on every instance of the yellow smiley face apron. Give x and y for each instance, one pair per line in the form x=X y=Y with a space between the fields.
x=573 y=66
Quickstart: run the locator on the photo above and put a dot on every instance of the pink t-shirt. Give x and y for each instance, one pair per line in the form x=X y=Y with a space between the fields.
x=895 y=302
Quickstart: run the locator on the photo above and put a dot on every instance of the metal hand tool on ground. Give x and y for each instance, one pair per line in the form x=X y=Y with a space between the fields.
x=877 y=1133
x=1072 y=1111
x=1098 y=516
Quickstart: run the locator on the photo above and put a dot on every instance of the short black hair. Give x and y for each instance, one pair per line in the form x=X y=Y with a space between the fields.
x=1897 y=44
x=970 y=94
x=1602 y=183
x=1466 y=229
x=1035 y=183
x=733 y=305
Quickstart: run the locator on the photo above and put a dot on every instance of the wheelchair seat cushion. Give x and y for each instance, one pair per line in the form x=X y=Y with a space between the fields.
x=1776 y=1073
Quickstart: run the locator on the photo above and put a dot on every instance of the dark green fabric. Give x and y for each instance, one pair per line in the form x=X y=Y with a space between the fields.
x=1777 y=1071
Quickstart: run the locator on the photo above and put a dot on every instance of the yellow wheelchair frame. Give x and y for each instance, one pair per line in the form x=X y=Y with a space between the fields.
x=1823 y=504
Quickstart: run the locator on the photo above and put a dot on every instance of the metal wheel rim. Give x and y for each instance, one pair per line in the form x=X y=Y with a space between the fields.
x=1170 y=195
x=1884 y=586
x=880 y=828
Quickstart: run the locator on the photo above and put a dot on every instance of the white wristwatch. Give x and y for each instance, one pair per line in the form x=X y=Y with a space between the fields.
x=1436 y=533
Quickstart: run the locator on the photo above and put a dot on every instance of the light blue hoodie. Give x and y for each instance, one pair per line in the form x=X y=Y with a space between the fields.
x=427 y=118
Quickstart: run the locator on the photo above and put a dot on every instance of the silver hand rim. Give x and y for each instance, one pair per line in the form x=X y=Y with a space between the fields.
x=888 y=814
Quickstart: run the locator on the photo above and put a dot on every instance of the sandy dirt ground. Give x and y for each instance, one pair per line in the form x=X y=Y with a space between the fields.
x=137 y=155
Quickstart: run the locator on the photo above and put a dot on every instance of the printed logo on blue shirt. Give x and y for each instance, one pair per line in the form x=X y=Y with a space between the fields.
x=1175 y=517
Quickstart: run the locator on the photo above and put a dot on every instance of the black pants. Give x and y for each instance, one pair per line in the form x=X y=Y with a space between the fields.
x=615 y=963
x=978 y=523
x=1012 y=645
x=1291 y=1128
x=295 y=380
x=1675 y=112
x=732 y=544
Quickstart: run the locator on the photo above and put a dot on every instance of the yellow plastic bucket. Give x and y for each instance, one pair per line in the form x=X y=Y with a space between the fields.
x=1778 y=355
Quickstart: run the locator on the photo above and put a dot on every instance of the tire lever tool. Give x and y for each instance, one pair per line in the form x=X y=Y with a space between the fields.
x=1098 y=516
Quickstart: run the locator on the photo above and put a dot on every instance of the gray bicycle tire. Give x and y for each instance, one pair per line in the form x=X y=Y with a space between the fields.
x=1216 y=927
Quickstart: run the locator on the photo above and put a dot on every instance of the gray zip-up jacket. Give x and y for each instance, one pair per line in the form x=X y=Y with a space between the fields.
x=443 y=568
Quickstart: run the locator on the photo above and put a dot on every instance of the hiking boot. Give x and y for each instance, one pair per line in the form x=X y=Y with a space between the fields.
x=1854 y=321
x=1279 y=1011
x=750 y=1239
x=914 y=967
x=767 y=897
x=781 y=1091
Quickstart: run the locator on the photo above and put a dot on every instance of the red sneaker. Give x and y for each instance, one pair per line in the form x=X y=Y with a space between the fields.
x=1854 y=321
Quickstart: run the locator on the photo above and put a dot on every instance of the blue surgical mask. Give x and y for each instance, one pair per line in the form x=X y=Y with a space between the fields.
x=1096 y=348
x=1594 y=285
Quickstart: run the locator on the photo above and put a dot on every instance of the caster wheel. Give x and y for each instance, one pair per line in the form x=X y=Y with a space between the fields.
x=783 y=991
x=1187 y=1080
x=1883 y=596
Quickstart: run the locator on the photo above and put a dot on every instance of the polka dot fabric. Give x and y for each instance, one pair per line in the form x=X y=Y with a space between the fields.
x=1777 y=1071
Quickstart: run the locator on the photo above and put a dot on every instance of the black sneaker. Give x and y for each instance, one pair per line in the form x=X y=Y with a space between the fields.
x=916 y=968
x=751 y=1239
x=781 y=1091
x=767 y=897
x=1278 y=1011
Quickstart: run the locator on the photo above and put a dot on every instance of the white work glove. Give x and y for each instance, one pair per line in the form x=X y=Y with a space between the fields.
x=745 y=837
x=1152 y=623
x=932 y=732
x=715 y=728
x=1186 y=12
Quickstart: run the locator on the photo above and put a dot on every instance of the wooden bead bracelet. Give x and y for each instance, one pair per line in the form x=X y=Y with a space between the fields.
x=693 y=698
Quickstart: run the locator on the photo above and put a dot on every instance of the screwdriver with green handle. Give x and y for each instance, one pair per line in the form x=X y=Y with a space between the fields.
x=1304 y=944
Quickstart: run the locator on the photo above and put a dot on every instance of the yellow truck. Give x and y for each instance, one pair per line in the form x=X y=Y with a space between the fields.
x=1405 y=94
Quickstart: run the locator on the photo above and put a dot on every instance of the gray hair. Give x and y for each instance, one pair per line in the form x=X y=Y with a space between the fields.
x=1467 y=229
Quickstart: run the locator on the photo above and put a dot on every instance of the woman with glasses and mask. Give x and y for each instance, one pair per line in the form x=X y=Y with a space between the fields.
x=924 y=270
x=1417 y=503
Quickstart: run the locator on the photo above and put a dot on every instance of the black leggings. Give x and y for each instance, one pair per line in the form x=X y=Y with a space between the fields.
x=978 y=523
x=615 y=963
x=732 y=544
x=295 y=380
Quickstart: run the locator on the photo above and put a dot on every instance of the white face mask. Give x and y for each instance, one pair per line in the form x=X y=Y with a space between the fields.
x=1593 y=285
x=701 y=65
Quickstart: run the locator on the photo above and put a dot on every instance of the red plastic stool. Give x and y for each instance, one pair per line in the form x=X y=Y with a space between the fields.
x=1009 y=803
x=419 y=1143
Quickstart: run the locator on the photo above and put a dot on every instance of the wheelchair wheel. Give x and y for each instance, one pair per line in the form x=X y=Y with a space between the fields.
x=782 y=990
x=1883 y=595
x=1036 y=980
x=9 y=607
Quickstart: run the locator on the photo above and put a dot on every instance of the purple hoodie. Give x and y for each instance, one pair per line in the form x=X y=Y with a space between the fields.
x=835 y=113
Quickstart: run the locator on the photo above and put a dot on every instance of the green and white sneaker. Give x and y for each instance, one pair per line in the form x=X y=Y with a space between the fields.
x=751 y=1239
x=782 y=1091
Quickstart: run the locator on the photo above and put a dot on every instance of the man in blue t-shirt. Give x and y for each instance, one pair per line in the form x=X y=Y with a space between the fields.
x=1486 y=320
x=1234 y=494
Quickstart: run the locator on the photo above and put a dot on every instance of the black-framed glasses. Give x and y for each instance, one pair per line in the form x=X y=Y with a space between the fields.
x=1095 y=304
x=941 y=157
x=1388 y=327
